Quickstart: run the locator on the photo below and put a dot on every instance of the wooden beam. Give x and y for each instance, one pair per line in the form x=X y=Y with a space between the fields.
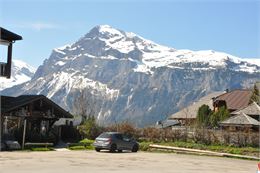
x=52 y=111
x=31 y=109
x=9 y=61
x=24 y=132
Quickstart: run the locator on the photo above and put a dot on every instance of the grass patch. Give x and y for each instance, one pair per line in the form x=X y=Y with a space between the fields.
x=77 y=148
x=41 y=149
x=84 y=144
x=81 y=147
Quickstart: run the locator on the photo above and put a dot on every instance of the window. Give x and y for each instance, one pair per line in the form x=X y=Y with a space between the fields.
x=104 y=135
x=119 y=136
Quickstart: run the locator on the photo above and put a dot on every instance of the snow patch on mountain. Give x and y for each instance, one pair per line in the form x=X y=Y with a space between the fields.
x=75 y=80
x=21 y=72
x=252 y=60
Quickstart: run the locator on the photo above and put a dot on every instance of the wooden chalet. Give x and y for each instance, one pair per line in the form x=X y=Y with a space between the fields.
x=30 y=118
x=7 y=38
x=243 y=114
x=240 y=121
x=233 y=100
x=253 y=110
x=243 y=119
x=187 y=116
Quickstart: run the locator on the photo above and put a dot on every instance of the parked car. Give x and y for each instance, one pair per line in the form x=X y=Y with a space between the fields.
x=115 y=141
x=2 y=146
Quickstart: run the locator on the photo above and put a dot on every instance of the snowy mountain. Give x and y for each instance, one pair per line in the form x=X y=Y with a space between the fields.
x=21 y=72
x=128 y=78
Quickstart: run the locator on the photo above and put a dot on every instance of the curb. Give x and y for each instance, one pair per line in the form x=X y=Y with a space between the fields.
x=204 y=152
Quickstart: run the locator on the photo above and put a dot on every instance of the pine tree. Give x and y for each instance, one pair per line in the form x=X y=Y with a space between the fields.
x=219 y=116
x=255 y=95
x=203 y=115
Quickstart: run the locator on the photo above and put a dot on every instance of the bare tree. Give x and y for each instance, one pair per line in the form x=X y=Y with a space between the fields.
x=85 y=105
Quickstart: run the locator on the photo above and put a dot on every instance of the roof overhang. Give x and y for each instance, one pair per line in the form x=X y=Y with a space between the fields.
x=8 y=36
x=33 y=98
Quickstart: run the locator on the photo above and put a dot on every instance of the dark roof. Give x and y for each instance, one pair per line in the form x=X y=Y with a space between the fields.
x=8 y=35
x=236 y=99
x=240 y=119
x=252 y=109
x=11 y=103
x=166 y=123
x=190 y=112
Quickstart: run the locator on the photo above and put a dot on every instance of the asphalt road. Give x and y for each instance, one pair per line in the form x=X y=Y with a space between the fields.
x=104 y=162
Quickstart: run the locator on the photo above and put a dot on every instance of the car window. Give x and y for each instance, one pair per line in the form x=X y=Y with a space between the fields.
x=126 y=137
x=119 y=136
x=104 y=135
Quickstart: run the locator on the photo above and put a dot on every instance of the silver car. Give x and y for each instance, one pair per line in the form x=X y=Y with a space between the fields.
x=115 y=141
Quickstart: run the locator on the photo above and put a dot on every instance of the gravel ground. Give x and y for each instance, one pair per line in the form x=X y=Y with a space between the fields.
x=105 y=162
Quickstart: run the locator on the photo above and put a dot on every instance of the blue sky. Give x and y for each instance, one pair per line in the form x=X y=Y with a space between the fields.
x=231 y=26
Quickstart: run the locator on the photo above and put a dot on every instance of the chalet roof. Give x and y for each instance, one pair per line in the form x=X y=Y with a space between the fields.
x=190 y=112
x=8 y=35
x=240 y=119
x=236 y=99
x=252 y=109
x=11 y=103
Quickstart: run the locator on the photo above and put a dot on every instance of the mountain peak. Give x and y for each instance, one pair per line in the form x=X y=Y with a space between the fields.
x=104 y=31
x=104 y=27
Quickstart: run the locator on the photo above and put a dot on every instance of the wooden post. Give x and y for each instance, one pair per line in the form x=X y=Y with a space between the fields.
x=24 y=132
x=9 y=61
x=59 y=132
x=52 y=111
x=1 y=126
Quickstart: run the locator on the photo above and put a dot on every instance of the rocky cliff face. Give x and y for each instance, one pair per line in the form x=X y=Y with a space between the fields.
x=128 y=78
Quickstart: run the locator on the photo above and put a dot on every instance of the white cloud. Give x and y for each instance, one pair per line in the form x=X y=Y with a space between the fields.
x=38 y=26
x=41 y=26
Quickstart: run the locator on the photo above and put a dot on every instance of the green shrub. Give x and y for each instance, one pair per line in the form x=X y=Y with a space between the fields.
x=89 y=128
x=144 y=146
x=85 y=144
x=203 y=116
x=86 y=141
x=219 y=116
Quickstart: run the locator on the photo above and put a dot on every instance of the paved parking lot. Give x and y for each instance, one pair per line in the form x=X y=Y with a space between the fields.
x=104 y=162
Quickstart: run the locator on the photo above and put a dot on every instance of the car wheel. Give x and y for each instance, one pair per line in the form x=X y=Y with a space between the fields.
x=113 y=148
x=97 y=149
x=120 y=151
x=135 y=148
